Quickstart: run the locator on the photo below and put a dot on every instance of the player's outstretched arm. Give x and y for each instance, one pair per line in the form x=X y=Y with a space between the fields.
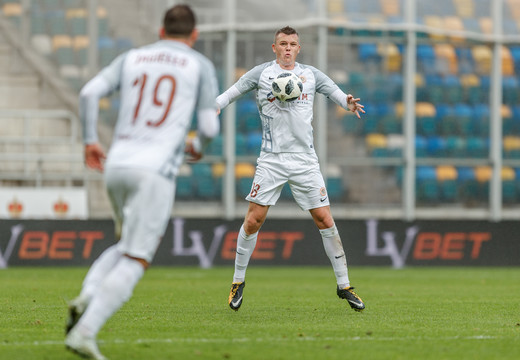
x=354 y=106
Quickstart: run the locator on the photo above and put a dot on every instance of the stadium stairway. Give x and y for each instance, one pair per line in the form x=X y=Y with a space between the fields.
x=38 y=149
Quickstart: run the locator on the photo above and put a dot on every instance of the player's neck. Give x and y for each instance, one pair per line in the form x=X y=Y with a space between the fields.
x=286 y=66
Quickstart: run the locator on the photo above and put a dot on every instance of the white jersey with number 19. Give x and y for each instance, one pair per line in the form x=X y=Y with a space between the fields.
x=161 y=85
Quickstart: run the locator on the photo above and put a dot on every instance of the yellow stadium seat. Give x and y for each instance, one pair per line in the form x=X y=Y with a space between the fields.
x=482 y=55
x=390 y=55
x=446 y=54
x=511 y=143
x=390 y=7
x=446 y=172
x=218 y=170
x=507 y=173
x=425 y=109
x=508 y=64
x=437 y=22
x=244 y=170
x=486 y=25
x=61 y=41
x=506 y=111
x=376 y=141
x=80 y=42
x=483 y=173
x=454 y=23
x=469 y=80
x=12 y=9
x=464 y=8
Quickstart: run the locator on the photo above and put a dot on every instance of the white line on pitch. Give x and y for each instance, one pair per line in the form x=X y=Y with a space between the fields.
x=258 y=340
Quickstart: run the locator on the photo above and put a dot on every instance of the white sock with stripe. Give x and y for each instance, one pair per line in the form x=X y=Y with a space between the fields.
x=245 y=247
x=334 y=250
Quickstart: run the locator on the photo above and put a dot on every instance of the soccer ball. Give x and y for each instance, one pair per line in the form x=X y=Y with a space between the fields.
x=287 y=87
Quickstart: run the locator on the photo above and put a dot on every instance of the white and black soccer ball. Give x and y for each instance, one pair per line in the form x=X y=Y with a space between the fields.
x=287 y=87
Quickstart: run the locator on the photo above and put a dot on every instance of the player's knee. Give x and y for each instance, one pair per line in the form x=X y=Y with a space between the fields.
x=252 y=225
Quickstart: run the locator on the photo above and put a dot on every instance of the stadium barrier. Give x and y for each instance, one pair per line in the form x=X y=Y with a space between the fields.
x=211 y=242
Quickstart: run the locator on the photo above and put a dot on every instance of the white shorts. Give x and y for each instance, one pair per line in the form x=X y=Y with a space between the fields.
x=142 y=202
x=300 y=170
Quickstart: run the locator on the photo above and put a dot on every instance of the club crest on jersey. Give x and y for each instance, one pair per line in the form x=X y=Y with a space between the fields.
x=270 y=97
x=303 y=79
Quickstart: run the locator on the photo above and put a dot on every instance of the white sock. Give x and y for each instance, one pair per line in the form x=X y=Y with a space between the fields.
x=113 y=292
x=98 y=272
x=245 y=247
x=334 y=250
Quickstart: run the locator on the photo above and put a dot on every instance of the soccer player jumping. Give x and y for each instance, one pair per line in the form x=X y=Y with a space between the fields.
x=288 y=156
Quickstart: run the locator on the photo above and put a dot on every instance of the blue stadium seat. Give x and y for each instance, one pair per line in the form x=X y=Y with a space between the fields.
x=436 y=146
x=241 y=144
x=184 y=189
x=427 y=187
x=215 y=146
x=254 y=143
x=468 y=187
x=334 y=188
x=421 y=146
x=477 y=147
x=455 y=147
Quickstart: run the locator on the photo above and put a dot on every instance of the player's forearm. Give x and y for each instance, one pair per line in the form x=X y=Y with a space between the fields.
x=208 y=128
x=228 y=97
x=340 y=98
x=89 y=97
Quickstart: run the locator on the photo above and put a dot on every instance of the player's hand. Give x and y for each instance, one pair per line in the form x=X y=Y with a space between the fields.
x=193 y=154
x=354 y=106
x=94 y=156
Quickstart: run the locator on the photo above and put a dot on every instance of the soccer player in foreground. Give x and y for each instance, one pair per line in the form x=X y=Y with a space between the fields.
x=288 y=155
x=162 y=85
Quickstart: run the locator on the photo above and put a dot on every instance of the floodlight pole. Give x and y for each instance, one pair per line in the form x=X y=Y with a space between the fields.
x=408 y=187
x=229 y=114
x=495 y=97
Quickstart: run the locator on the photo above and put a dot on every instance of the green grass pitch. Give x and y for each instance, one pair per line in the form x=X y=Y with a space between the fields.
x=288 y=313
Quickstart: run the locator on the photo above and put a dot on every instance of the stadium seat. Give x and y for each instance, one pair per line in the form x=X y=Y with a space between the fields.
x=481 y=119
x=376 y=144
x=508 y=177
x=215 y=146
x=426 y=59
x=465 y=60
x=447 y=180
x=468 y=187
x=80 y=45
x=452 y=89
x=425 y=113
x=436 y=146
x=477 y=147
x=427 y=188
x=482 y=56
x=62 y=48
x=241 y=144
x=184 y=189
x=334 y=182
x=455 y=147
x=421 y=146
x=511 y=145
x=510 y=90
x=77 y=21
x=446 y=59
x=254 y=143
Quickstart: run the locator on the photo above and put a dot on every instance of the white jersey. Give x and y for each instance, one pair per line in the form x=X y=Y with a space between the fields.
x=161 y=86
x=286 y=126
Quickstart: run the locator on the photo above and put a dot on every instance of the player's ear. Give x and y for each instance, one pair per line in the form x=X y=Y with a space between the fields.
x=162 y=33
x=194 y=36
x=274 y=47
